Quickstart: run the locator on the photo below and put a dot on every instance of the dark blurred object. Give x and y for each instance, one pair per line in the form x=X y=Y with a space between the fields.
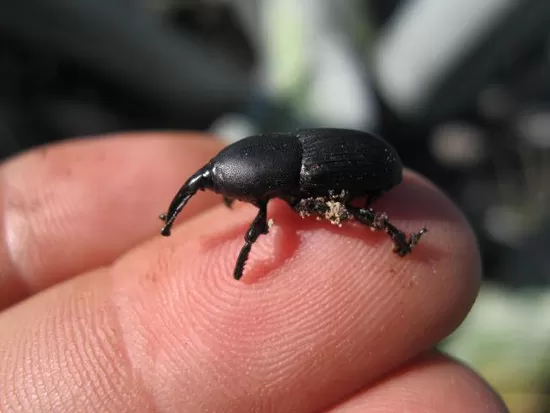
x=382 y=10
x=460 y=88
x=433 y=59
x=469 y=112
x=84 y=67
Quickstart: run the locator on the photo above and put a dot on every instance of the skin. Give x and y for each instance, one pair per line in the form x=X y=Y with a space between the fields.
x=101 y=313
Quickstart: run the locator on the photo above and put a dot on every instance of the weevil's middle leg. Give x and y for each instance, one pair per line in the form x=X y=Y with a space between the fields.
x=332 y=209
x=310 y=206
x=258 y=227
x=380 y=222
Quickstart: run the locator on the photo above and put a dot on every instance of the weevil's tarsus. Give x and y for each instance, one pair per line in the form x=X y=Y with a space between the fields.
x=199 y=181
x=258 y=227
x=380 y=222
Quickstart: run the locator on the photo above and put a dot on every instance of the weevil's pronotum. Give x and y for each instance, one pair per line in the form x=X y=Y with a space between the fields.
x=316 y=171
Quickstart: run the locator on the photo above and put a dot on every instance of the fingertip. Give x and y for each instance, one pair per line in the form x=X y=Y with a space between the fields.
x=431 y=383
x=313 y=297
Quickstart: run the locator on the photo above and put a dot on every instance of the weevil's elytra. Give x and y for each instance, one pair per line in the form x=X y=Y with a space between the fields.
x=316 y=171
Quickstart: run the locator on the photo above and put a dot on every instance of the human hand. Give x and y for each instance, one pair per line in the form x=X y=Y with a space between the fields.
x=102 y=314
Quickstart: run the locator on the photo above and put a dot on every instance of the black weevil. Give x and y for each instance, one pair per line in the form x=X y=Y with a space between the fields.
x=316 y=171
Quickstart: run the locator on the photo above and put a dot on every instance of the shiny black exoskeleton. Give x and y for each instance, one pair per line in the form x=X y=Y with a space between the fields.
x=316 y=171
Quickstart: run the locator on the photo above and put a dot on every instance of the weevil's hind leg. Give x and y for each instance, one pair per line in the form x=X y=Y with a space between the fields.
x=258 y=227
x=380 y=222
x=199 y=181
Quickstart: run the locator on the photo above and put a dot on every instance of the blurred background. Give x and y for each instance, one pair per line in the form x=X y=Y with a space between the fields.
x=460 y=87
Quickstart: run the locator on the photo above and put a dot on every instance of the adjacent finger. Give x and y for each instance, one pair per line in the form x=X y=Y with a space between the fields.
x=321 y=313
x=432 y=383
x=71 y=207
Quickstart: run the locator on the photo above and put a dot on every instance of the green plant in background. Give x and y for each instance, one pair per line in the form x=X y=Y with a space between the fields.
x=506 y=338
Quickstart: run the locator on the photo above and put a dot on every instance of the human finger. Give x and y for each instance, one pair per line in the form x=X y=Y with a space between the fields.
x=321 y=313
x=432 y=383
x=70 y=207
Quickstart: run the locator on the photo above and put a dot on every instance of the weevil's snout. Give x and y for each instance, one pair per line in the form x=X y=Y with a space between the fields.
x=168 y=220
x=166 y=229
x=169 y=217
x=199 y=181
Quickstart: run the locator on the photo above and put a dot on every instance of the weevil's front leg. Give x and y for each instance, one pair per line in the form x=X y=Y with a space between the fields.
x=259 y=226
x=380 y=222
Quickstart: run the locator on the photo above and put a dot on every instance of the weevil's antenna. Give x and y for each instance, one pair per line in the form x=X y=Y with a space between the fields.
x=200 y=180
